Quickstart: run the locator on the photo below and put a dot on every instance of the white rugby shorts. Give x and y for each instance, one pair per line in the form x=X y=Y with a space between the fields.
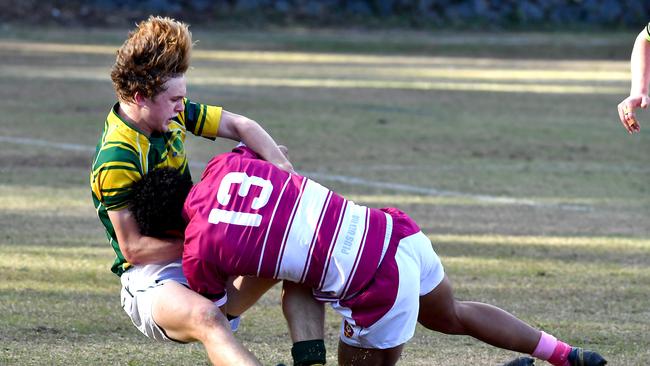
x=415 y=271
x=138 y=285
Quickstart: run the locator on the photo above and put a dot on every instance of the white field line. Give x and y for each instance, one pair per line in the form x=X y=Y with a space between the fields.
x=355 y=181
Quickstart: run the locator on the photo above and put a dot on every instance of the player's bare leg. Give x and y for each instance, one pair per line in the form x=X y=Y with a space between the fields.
x=440 y=311
x=187 y=316
x=305 y=316
x=354 y=356
x=306 y=319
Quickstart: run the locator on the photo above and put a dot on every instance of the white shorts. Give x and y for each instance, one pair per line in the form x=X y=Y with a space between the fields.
x=138 y=286
x=393 y=297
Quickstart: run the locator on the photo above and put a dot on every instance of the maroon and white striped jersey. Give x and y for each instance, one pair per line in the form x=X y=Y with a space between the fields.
x=247 y=217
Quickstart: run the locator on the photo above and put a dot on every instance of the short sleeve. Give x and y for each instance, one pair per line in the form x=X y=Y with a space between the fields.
x=112 y=180
x=201 y=119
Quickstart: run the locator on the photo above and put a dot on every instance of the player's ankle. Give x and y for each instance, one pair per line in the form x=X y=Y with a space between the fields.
x=552 y=350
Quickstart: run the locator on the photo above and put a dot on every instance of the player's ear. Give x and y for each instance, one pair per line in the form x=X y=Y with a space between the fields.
x=138 y=98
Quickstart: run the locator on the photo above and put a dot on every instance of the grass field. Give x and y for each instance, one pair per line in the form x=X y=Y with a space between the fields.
x=505 y=148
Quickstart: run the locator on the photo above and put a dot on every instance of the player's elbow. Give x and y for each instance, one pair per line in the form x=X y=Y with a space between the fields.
x=131 y=255
x=131 y=252
x=245 y=126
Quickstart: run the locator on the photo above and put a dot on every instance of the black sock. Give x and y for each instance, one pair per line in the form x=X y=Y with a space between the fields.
x=307 y=353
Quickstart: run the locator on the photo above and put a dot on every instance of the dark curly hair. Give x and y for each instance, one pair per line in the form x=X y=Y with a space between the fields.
x=155 y=51
x=157 y=202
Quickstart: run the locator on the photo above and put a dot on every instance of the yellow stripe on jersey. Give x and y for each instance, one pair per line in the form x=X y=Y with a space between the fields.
x=647 y=32
x=210 y=128
x=201 y=119
x=112 y=183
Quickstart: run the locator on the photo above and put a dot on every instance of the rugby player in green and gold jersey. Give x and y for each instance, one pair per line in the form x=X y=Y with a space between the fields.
x=146 y=130
x=640 y=70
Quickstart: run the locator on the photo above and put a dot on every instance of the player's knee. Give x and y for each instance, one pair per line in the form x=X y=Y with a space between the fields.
x=178 y=319
x=205 y=315
x=202 y=320
x=187 y=311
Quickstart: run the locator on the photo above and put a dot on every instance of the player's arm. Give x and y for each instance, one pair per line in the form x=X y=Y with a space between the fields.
x=640 y=71
x=243 y=292
x=240 y=128
x=640 y=64
x=140 y=249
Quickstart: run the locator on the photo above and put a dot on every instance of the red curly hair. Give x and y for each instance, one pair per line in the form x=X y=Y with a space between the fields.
x=155 y=51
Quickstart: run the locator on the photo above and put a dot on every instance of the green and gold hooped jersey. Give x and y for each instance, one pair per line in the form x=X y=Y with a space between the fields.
x=124 y=154
x=647 y=32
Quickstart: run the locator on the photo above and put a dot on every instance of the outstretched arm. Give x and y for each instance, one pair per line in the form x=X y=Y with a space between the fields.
x=640 y=70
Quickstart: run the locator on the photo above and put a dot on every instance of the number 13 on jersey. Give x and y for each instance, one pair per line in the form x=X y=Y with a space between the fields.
x=245 y=183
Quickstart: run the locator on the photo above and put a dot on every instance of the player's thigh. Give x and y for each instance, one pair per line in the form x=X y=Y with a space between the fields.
x=181 y=312
x=438 y=307
x=349 y=355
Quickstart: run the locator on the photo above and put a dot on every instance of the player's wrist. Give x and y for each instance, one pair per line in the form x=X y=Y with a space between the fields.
x=639 y=88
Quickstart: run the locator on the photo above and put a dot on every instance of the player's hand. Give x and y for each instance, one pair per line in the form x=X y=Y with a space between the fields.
x=284 y=150
x=286 y=166
x=626 y=110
